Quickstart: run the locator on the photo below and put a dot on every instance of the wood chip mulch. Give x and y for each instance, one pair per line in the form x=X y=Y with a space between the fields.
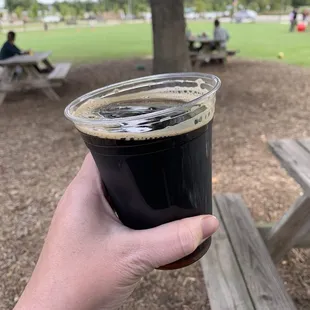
x=41 y=152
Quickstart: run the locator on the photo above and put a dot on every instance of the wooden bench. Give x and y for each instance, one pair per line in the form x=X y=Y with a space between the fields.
x=238 y=270
x=60 y=72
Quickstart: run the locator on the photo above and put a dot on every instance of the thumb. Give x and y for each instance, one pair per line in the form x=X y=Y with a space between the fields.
x=170 y=242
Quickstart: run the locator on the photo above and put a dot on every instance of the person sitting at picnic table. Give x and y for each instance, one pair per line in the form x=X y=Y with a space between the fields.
x=9 y=49
x=220 y=34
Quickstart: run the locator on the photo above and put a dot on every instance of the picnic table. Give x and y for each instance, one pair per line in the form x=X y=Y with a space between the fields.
x=239 y=268
x=205 y=49
x=294 y=228
x=22 y=72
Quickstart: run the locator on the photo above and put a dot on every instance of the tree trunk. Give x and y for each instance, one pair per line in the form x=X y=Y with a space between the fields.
x=169 y=42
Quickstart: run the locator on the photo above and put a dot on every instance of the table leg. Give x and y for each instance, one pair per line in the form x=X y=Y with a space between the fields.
x=7 y=77
x=47 y=90
x=48 y=65
x=286 y=233
x=50 y=93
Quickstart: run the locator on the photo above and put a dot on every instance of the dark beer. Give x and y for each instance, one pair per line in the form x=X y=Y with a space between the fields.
x=156 y=170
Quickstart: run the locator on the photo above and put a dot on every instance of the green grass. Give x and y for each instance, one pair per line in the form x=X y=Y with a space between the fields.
x=260 y=41
x=265 y=41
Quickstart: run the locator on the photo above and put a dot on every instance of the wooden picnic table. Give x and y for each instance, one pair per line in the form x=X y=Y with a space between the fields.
x=293 y=229
x=23 y=72
x=26 y=59
x=207 y=50
x=202 y=41
x=239 y=269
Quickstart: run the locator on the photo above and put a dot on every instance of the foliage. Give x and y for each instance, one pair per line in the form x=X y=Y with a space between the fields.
x=18 y=11
x=257 y=5
x=63 y=9
x=34 y=10
x=11 y=5
x=298 y=3
x=200 y=5
x=79 y=7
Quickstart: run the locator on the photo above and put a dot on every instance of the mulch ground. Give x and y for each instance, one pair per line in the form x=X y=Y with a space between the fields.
x=40 y=153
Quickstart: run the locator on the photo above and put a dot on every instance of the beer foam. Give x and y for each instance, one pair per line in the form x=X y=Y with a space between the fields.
x=140 y=128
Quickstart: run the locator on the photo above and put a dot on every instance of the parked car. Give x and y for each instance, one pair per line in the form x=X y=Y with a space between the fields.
x=245 y=16
x=209 y=15
x=191 y=15
x=146 y=16
x=51 y=19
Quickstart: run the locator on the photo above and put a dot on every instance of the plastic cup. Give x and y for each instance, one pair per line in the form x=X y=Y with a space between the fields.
x=151 y=139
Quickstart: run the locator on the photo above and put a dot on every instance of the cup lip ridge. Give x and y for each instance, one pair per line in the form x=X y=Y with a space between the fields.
x=150 y=78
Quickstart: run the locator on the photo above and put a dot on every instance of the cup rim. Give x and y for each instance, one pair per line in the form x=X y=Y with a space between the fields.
x=149 y=78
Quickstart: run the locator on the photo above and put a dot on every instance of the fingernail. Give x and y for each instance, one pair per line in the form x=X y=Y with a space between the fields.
x=209 y=225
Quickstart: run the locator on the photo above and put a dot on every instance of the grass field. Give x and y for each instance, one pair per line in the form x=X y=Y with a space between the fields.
x=81 y=45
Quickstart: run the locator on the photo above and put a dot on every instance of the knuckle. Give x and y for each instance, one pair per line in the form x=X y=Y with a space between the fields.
x=187 y=238
x=134 y=257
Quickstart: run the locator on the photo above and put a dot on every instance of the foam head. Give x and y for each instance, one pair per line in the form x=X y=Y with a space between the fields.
x=151 y=107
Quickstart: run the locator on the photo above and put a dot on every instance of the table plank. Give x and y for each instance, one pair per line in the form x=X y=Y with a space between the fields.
x=260 y=274
x=295 y=159
x=60 y=71
x=305 y=143
x=25 y=59
x=224 y=281
x=302 y=241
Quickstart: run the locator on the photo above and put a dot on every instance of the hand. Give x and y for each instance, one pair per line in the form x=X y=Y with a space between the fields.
x=91 y=261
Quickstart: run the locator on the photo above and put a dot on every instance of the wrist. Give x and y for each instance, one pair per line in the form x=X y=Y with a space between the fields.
x=48 y=293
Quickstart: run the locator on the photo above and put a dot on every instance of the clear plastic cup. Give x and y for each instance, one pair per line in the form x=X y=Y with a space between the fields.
x=151 y=139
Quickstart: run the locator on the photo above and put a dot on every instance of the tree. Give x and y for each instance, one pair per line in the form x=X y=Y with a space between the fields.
x=34 y=10
x=200 y=6
x=139 y=7
x=116 y=7
x=19 y=12
x=169 y=43
x=11 y=5
x=298 y=3
x=101 y=8
x=72 y=11
x=64 y=10
x=80 y=9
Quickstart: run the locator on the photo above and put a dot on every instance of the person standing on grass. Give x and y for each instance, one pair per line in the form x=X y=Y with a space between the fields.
x=293 y=20
x=305 y=15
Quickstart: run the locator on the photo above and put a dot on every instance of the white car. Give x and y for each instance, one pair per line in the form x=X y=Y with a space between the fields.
x=51 y=19
x=146 y=16
x=209 y=15
x=191 y=15
x=245 y=16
